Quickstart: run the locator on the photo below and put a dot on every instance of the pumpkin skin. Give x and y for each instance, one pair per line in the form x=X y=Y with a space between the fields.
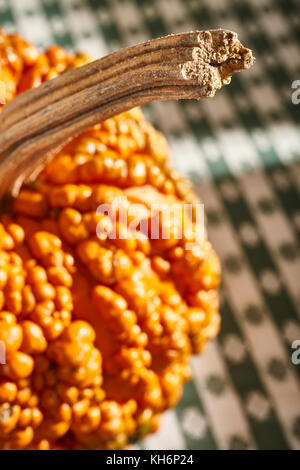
x=98 y=331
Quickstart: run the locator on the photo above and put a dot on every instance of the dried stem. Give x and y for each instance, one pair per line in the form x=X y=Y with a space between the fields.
x=40 y=121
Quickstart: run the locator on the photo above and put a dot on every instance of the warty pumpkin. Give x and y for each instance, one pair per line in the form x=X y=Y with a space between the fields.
x=98 y=331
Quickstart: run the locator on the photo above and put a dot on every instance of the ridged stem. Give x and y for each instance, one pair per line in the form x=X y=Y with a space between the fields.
x=40 y=121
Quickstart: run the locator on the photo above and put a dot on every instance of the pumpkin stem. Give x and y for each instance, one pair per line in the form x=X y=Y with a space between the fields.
x=40 y=121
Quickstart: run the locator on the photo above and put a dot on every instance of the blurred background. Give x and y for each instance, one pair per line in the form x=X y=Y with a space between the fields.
x=242 y=151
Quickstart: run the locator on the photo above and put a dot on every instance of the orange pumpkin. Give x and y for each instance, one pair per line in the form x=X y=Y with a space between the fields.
x=98 y=330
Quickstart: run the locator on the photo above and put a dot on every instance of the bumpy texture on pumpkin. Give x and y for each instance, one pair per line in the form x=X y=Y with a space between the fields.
x=98 y=331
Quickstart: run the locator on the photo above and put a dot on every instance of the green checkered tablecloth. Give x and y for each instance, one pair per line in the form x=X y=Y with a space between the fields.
x=242 y=151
